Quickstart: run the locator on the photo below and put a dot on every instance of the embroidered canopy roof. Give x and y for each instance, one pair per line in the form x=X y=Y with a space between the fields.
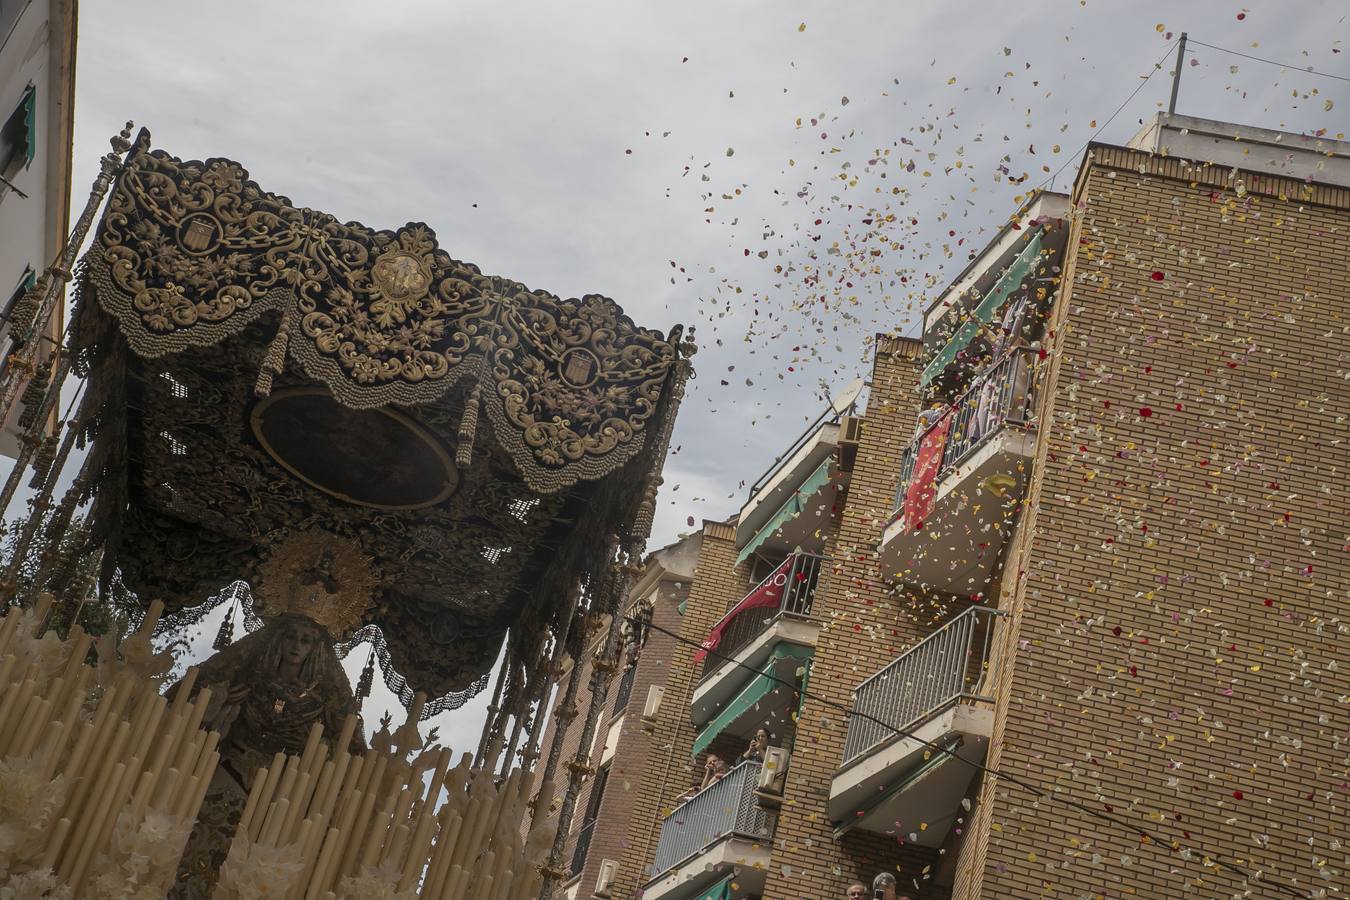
x=258 y=370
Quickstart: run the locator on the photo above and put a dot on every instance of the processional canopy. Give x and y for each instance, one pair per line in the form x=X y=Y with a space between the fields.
x=266 y=380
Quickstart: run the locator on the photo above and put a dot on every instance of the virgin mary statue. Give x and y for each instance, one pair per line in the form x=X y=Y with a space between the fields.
x=269 y=689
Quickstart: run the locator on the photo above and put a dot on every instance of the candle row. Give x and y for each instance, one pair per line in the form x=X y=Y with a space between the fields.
x=370 y=823
x=107 y=752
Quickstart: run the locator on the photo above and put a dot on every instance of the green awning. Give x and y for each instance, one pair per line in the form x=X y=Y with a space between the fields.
x=790 y=509
x=30 y=125
x=719 y=891
x=759 y=687
x=984 y=313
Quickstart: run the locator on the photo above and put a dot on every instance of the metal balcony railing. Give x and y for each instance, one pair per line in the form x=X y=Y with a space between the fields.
x=723 y=808
x=950 y=665
x=583 y=847
x=625 y=690
x=1003 y=394
x=827 y=417
x=743 y=627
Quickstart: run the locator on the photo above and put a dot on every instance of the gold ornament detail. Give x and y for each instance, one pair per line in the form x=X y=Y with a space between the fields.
x=190 y=254
x=324 y=576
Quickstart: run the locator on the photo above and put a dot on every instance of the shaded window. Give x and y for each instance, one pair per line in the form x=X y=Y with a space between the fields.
x=18 y=136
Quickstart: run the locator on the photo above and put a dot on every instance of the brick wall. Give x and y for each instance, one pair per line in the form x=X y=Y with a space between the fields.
x=1178 y=650
x=864 y=626
x=670 y=768
x=609 y=839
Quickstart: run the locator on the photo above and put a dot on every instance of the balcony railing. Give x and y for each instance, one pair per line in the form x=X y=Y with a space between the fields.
x=625 y=690
x=948 y=666
x=743 y=627
x=583 y=847
x=1002 y=395
x=723 y=808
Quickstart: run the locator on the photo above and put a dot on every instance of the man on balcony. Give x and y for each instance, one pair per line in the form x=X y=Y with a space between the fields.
x=714 y=770
x=856 y=891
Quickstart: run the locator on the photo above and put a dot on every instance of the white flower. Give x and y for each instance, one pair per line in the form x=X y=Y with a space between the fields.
x=373 y=883
x=252 y=872
x=40 y=883
x=28 y=805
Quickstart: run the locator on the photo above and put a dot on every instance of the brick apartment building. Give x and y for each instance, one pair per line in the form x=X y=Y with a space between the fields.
x=622 y=750
x=1090 y=532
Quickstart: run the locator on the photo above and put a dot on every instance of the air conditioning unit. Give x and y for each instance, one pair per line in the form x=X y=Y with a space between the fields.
x=772 y=777
x=850 y=433
x=609 y=870
x=652 y=708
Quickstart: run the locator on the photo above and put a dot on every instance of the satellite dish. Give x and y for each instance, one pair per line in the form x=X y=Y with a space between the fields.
x=848 y=396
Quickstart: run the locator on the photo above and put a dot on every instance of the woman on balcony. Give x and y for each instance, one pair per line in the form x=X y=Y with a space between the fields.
x=759 y=745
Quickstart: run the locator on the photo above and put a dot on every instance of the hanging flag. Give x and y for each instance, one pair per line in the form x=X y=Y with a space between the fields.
x=768 y=592
x=922 y=488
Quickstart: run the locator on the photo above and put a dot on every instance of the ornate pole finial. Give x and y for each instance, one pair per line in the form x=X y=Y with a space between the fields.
x=121 y=142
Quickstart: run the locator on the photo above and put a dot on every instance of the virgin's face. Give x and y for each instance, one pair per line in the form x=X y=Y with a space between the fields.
x=297 y=643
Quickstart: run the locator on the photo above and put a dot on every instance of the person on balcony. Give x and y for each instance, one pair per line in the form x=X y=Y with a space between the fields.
x=1011 y=337
x=759 y=745
x=714 y=770
x=856 y=891
x=884 y=887
x=927 y=418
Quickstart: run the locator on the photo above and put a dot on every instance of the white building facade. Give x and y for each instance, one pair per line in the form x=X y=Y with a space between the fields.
x=37 y=94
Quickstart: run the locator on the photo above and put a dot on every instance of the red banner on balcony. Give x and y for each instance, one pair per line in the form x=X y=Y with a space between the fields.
x=769 y=592
x=922 y=488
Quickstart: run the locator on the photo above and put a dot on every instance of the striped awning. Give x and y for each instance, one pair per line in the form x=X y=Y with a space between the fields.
x=719 y=891
x=791 y=508
x=761 y=686
x=1011 y=279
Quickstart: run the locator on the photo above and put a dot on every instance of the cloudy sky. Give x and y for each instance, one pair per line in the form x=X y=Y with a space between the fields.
x=730 y=166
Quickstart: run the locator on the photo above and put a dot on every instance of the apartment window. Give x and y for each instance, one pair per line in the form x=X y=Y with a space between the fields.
x=18 y=136
x=583 y=845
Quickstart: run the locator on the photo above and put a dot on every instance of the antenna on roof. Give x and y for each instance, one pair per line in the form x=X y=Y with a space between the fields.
x=1176 y=75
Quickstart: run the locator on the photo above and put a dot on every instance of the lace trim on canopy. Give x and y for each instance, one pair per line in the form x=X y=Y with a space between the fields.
x=239 y=592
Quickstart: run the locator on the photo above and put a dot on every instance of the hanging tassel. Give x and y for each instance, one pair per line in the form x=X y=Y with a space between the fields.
x=226 y=633
x=24 y=316
x=367 y=676
x=42 y=461
x=468 y=428
x=34 y=394
x=274 y=362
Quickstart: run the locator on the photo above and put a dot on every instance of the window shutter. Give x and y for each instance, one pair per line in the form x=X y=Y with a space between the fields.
x=18 y=135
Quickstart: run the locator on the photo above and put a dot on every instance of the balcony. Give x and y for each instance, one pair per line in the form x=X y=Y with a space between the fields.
x=961 y=482
x=937 y=693
x=720 y=832
x=790 y=504
x=769 y=632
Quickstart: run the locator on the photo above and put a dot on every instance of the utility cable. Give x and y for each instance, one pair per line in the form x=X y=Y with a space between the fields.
x=1036 y=792
x=1309 y=70
x=1157 y=67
